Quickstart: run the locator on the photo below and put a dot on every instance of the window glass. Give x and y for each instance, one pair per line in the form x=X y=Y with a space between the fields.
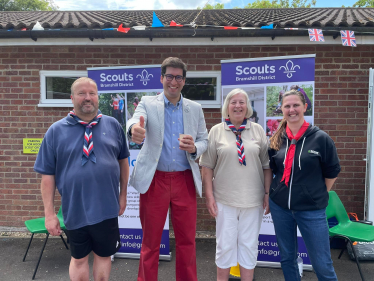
x=59 y=87
x=200 y=88
x=203 y=87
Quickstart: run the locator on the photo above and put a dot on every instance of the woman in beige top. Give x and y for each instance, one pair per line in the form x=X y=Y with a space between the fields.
x=236 y=178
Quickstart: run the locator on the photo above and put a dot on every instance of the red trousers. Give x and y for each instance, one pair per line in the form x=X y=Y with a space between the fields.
x=177 y=190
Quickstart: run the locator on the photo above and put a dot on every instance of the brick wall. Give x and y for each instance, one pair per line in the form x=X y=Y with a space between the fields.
x=340 y=109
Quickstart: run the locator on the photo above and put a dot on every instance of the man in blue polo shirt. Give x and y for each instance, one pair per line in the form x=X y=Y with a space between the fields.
x=87 y=177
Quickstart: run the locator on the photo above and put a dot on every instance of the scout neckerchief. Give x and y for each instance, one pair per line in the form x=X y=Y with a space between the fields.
x=291 y=151
x=239 y=142
x=88 y=147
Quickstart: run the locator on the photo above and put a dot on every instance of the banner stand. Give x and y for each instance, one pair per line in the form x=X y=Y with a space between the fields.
x=120 y=91
x=369 y=183
x=306 y=267
x=265 y=80
x=137 y=256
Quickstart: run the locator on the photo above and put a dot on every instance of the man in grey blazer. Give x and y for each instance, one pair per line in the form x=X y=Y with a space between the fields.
x=166 y=173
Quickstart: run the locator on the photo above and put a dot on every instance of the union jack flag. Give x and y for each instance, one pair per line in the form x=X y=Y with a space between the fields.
x=316 y=35
x=348 y=38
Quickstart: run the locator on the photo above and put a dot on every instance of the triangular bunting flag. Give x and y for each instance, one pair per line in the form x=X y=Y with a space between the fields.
x=230 y=27
x=173 y=23
x=348 y=38
x=156 y=22
x=139 y=27
x=316 y=35
x=123 y=29
x=37 y=26
x=270 y=26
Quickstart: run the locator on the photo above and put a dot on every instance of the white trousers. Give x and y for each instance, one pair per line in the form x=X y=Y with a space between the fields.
x=237 y=231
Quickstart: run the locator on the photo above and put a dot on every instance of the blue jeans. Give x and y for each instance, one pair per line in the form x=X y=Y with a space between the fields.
x=314 y=230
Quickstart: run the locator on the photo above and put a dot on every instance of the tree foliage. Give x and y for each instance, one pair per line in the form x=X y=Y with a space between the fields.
x=217 y=6
x=364 y=4
x=275 y=4
x=27 y=5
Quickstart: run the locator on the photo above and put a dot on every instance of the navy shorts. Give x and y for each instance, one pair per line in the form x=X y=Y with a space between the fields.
x=101 y=238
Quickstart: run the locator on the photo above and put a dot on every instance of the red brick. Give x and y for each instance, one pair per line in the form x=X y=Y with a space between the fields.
x=66 y=55
x=152 y=56
x=187 y=56
x=198 y=50
x=331 y=66
x=323 y=60
x=67 y=67
x=340 y=105
x=223 y=56
x=203 y=67
x=233 y=49
x=143 y=61
x=205 y=56
x=269 y=49
x=127 y=61
x=163 y=50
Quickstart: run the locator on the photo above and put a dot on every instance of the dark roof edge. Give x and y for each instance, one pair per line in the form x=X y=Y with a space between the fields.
x=169 y=33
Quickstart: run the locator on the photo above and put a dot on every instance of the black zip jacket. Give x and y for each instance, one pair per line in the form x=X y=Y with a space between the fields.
x=315 y=159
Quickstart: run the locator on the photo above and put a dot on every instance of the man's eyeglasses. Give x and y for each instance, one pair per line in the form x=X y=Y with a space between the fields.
x=170 y=77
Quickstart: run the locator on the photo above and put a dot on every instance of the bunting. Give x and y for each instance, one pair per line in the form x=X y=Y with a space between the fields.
x=37 y=26
x=123 y=29
x=269 y=26
x=348 y=38
x=156 y=22
x=316 y=35
x=139 y=27
x=173 y=23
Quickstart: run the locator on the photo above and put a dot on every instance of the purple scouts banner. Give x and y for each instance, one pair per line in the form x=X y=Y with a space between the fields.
x=268 y=71
x=120 y=91
x=120 y=79
x=266 y=80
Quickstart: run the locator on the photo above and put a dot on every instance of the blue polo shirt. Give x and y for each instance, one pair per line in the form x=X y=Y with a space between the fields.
x=89 y=193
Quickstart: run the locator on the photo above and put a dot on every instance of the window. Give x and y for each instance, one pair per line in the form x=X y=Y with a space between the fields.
x=203 y=87
x=55 y=87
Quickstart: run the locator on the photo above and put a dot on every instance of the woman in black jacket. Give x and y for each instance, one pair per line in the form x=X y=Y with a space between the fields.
x=305 y=163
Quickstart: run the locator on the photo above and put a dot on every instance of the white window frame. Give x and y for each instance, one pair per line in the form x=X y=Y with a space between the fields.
x=201 y=74
x=44 y=102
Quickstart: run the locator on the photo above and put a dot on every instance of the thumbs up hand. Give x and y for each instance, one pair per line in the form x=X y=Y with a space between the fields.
x=138 y=131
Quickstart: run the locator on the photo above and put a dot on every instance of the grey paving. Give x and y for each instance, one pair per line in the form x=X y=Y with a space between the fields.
x=55 y=263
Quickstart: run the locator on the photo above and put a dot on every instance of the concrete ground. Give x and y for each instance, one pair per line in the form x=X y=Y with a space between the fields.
x=55 y=263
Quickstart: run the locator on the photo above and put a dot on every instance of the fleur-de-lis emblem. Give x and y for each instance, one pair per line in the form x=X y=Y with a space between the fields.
x=144 y=77
x=289 y=68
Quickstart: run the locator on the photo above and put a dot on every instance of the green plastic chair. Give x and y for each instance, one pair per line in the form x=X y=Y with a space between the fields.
x=350 y=231
x=38 y=226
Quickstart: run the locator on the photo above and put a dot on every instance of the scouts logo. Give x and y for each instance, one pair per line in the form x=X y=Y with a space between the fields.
x=290 y=68
x=144 y=77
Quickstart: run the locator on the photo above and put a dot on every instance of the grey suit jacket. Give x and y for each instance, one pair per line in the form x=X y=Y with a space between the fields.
x=152 y=108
